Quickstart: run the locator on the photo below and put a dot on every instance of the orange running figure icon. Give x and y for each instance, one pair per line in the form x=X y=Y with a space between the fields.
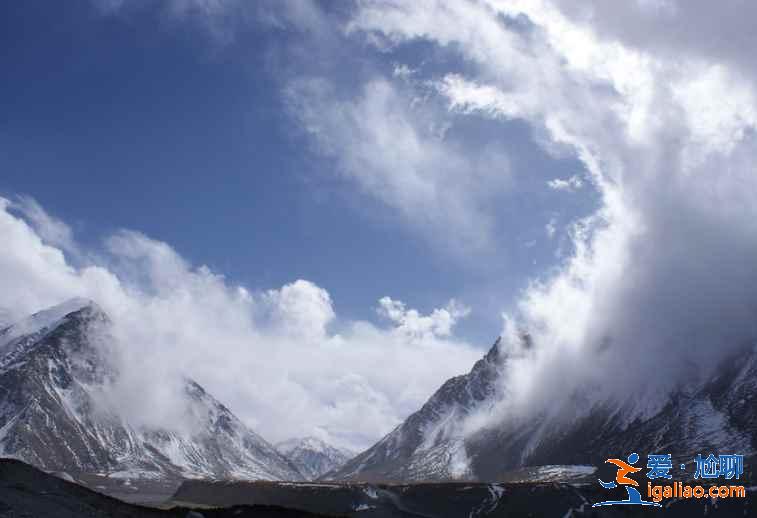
x=622 y=479
x=624 y=469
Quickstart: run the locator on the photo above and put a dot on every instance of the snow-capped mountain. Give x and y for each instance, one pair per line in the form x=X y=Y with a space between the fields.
x=53 y=369
x=312 y=456
x=425 y=446
x=718 y=414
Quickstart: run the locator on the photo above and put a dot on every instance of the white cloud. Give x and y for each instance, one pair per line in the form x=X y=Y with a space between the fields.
x=302 y=309
x=51 y=230
x=393 y=146
x=385 y=129
x=413 y=325
x=268 y=354
x=403 y=71
x=571 y=184
x=663 y=269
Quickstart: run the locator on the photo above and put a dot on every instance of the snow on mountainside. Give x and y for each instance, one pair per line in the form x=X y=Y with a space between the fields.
x=40 y=322
x=312 y=456
x=719 y=414
x=428 y=445
x=53 y=370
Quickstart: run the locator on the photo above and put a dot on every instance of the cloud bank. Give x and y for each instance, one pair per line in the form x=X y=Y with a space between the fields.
x=281 y=358
x=661 y=280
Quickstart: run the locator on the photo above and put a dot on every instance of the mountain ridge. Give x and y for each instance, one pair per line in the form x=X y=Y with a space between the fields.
x=312 y=456
x=424 y=445
x=715 y=414
x=51 y=415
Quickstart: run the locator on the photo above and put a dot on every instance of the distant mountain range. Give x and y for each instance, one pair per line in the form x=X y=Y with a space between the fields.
x=312 y=456
x=52 y=369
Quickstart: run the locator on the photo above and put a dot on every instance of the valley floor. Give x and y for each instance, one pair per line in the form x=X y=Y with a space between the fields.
x=26 y=491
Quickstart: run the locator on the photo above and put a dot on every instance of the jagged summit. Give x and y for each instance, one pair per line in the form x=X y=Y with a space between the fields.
x=716 y=414
x=46 y=319
x=312 y=456
x=428 y=445
x=54 y=370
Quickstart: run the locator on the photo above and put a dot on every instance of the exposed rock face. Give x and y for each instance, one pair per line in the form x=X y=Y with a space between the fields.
x=53 y=369
x=426 y=446
x=713 y=415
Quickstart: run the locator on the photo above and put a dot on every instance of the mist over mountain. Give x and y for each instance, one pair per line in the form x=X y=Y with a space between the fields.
x=445 y=439
x=312 y=456
x=429 y=445
x=57 y=413
x=655 y=290
x=295 y=363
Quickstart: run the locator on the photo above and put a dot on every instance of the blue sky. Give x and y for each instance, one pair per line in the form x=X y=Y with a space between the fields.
x=136 y=120
x=333 y=204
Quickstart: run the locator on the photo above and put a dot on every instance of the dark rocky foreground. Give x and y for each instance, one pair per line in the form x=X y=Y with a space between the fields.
x=28 y=492
x=443 y=500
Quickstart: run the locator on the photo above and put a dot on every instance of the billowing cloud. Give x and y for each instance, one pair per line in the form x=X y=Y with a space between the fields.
x=302 y=308
x=269 y=354
x=570 y=184
x=661 y=277
x=51 y=230
x=392 y=144
x=416 y=326
x=385 y=132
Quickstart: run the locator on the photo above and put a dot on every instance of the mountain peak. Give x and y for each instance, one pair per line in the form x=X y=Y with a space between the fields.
x=54 y=415
x=495 y=350
x=58 y=311
x=75 y=304
x=48 y=319
x=428 y=444
x=312 y=456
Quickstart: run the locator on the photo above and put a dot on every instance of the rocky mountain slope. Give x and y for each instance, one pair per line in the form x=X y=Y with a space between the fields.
x=53 y=368
x=312 y=456
x=718 y=414
x=426 y=445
